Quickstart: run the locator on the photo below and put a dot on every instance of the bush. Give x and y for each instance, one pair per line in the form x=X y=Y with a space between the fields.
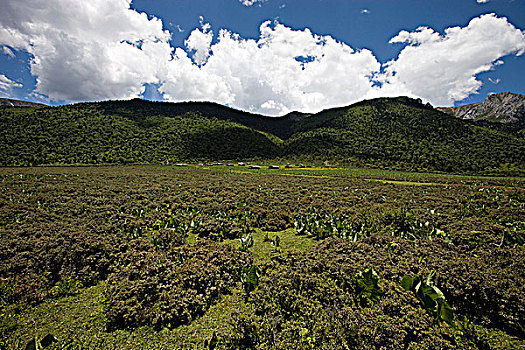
x=168 y=289
x=315 y=301
x=40 y=266
x=216 y=228
x=312 y=300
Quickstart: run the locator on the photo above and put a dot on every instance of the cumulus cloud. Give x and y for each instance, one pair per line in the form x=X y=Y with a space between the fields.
x=283 y=70
x=199 y=42
x=289 y=69
x=6 y=84
x=99 y=49
x=86 y=50
x=6 y=50
x=365 y=11
x=443 y=68
x=482 y=1
x=252 y=2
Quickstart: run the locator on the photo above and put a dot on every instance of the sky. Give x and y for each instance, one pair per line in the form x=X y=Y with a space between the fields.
x=263 y=56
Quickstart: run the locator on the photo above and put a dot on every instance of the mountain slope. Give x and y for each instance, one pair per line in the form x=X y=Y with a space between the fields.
x=504 y=107
x=87 y=134
x=281 y=126
x=401 y=130
x=387 y=131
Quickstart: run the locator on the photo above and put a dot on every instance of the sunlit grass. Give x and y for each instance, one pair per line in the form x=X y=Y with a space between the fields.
x=81 y=318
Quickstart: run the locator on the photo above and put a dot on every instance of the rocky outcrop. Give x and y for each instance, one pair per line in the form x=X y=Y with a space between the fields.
x=8 y=102
x=504 y=107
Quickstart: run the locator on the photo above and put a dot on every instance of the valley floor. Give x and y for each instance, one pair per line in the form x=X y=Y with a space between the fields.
x=232 y=258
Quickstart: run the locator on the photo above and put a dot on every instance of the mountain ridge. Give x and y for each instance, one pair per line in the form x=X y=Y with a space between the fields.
x=504 y=107
x=401 y=132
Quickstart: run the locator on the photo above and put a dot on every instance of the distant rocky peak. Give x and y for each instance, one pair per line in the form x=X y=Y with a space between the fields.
x=505 y=107
x=9 y=102
x=504 y=97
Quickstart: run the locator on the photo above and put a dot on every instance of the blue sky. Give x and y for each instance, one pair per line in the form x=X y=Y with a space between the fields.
x=269 y=56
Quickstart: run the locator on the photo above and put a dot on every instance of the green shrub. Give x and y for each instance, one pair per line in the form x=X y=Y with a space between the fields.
x=316 y=300
x=168 y=289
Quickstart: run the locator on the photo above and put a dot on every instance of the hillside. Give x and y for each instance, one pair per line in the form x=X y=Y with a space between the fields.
x=281 y=127
x=504 y=107
x=398 y=132
x=89 y=134
x=9 y=102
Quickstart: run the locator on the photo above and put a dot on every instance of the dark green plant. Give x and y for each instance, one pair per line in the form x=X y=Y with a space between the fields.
x=367 y=283
x=35 y=344
x=512 y=239
x=276 y=241
x=246 y=242
x=68 y=286
x=317 y=225
x=211 y=344
x=430 y=296
x=8 y=288
x=250 y=279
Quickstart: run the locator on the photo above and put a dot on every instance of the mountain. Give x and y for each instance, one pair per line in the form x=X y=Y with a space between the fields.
x=399 y=132
x=124 y=132
x=8 y=102
x=504 y=107
x=404 y=133
x=280 y=127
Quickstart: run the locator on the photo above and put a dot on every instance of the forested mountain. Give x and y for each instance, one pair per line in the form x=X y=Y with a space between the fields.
x=138 y=108
x=399 y=132
x=403 y=131
x=91 y=134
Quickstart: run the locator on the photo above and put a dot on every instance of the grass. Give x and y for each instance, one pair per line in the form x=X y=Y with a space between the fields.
x=77 y=318
x=80 y=318
x=357 y=172
x=393 y=177
x=408 y=183
x=263 y=250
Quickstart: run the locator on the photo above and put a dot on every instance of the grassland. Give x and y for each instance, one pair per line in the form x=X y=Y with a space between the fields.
x=150 y=258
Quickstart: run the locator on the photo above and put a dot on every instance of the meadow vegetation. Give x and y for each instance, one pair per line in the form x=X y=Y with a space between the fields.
x=150 y=257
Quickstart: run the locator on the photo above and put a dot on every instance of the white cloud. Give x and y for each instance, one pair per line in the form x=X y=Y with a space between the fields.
x=6 y=84
x=269 y=76
x=252 y=2
x=199 y=42
x=86 y=50
x=100 y=49
x=365 y=11
x=443 y=68
x=482 y=1
x=283 y=70
x=6 y=50
x=495 y=81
